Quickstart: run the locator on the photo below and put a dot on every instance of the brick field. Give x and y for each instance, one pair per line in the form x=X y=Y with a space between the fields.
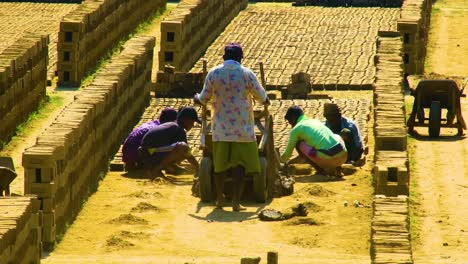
x=357 y=109
x=18 y=18
x=336 y=46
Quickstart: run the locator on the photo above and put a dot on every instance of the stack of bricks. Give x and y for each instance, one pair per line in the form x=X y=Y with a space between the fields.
x=92 y=29
x=19 y=18
x=23 y=77
x=414 y=27
x=390 y=237
x=357 y=3
x=335 y=46
x=68 y=158
x=20 y=230
x=390 y=171
x=190 y=28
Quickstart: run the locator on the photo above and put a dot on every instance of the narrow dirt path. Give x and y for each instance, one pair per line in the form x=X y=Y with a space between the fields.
x=438 y=167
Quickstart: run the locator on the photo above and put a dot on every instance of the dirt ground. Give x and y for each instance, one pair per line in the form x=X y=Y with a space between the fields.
x=133 y=220
x=439 y=183
x=140 y=221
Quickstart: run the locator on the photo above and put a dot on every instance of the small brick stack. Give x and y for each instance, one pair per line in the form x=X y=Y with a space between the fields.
x=190 y=28
x=92 y=29
x=357 y=3
x=390 y=237
x=413 y=25
x=65 y=163
x=20 y=230
x=19 y=18
x=390 y=171
x=23 y=77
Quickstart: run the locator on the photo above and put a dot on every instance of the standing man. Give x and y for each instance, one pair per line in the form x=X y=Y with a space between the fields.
x=166 y=144
x=230 y=87
x=347 y=129
x=132 y=143
x=314 y=142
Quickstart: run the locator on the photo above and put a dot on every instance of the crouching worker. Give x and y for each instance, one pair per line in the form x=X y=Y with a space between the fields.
x=132 y=143
x=347 y=129
x=315 y=143
x=166 y=145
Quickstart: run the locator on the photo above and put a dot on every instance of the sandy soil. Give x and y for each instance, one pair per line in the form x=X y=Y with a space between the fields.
x=139 y=221
x=438 y=167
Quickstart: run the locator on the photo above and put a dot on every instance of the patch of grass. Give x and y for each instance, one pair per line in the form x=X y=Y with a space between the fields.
x=142 y=27
x=49 y=104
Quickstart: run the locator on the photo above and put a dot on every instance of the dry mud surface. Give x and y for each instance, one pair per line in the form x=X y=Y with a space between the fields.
x=333 y=45
x=17 y=19
x=439 y=171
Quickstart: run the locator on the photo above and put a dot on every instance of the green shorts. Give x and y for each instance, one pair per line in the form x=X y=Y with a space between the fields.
x=227 y=155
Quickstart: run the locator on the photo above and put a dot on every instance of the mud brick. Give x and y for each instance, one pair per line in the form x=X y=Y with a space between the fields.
x=390 y=142
x=407 y=25
x=42 y=190
x=48 y=234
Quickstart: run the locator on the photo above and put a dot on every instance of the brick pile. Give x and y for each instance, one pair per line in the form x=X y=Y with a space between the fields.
x=357 y=3
x=391 y=167
x=191 y=27
x=335 y=46
x=92 y=29
x=69 y=156
x=20 y=230
x=413 y=25
x=40 y=18
x=390 y=237
x=23 y=68
x=356 y=109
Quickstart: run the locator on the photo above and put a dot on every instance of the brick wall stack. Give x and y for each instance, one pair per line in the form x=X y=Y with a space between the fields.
x=390 y=171
x=414 y=27
x=390 y=237
x=23 y=77
x=92 y=29
x=45 y=1
x=190 y=28
x=20 y=230
x=357 y=3
x=68 y=157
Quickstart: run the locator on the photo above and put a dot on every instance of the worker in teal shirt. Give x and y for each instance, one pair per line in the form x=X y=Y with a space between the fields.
x=315 y=143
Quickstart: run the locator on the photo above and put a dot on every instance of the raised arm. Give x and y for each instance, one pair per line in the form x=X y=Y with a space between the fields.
x=255 y=88
x=207 y=91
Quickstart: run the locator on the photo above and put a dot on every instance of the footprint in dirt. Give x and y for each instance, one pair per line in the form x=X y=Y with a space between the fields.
x=129 y=219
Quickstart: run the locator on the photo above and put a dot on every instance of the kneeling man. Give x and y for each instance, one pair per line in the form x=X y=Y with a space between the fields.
x=166 y=144
x=315 y=143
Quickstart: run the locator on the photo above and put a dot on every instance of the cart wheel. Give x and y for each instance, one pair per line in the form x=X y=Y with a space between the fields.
x=260 y=182
x=434 y=119
x=204 y=176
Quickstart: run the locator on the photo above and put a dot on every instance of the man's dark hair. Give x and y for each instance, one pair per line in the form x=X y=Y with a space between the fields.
x=168 y=114
x=293 y=113
x=233 y=51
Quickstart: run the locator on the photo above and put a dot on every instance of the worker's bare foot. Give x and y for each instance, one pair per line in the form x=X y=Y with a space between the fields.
x=238 y=207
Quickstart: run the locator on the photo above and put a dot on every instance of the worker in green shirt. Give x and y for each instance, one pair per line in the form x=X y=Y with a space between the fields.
x=315 y=143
